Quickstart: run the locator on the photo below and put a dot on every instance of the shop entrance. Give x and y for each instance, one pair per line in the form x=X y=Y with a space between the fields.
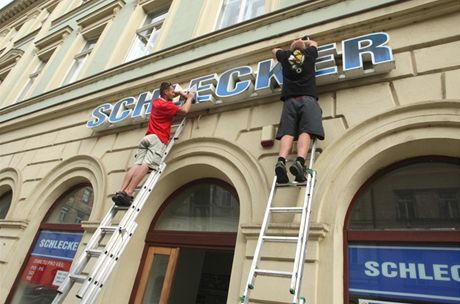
x=185 y=275
x=190 y=246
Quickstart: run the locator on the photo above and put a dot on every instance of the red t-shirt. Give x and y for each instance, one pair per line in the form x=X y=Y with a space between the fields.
x=161 y=119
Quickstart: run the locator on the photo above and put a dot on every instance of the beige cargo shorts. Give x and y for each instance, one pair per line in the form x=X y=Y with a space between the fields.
x=149 y=151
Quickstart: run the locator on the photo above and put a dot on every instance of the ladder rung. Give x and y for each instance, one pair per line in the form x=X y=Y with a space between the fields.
x=121 y=207
x=293 y=184
x=109 y=228
x=78 y=277
x=273 y=273
x=286 y=209
x=94 y=252
x=281 y=239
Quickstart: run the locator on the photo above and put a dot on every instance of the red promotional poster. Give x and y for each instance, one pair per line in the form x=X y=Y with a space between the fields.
x=45 y=271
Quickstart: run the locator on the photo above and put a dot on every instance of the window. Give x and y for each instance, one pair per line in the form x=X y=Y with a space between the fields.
x=5 y=203
x=423 y=195
x=31 y=80
x=54 y=248
x=79 y=61
x=235 y=11
x=8 y=61
x=147 y=35
x=72 y=208
x=403 y=233
x=201 y=207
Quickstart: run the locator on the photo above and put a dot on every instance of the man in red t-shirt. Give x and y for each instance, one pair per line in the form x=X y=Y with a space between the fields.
x=150 y=148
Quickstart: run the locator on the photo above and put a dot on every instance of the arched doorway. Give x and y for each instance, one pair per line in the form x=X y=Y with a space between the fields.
x=402 y=235
x=189 y=247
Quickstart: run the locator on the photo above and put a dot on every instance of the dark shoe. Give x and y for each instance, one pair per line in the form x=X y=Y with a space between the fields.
x=298 y=171
x=281 y=173
x=122 y=199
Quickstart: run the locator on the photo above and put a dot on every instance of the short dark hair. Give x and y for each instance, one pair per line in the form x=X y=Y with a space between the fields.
x=164 y=86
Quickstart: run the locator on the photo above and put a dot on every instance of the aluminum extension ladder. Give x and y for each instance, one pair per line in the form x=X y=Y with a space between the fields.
x=301 y=239
x=107 y=257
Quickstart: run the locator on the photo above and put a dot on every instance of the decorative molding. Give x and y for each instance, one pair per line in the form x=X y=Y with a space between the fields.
x=25 y=39
x=53 y=38
x=150 y=5
x=46 y=45
x=17 y=9
x=318 y=231
x=89 y=226
x=13 y=224
x=101 y=15
x=8 y=60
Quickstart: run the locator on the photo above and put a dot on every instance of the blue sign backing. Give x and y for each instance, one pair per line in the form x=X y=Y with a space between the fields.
x=402 y=272
x=60 y=245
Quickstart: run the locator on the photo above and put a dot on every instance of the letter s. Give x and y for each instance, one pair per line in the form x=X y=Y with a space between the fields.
x=100 y=117
x=372 y=269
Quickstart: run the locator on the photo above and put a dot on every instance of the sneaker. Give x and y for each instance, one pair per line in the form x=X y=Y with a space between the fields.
x=298 y=171
x=281 y=173
x=122 y=199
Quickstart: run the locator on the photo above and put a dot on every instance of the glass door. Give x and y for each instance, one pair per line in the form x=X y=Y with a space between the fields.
x=157 y=276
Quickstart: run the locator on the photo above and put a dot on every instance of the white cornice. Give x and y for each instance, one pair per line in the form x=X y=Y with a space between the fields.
x=17 y=8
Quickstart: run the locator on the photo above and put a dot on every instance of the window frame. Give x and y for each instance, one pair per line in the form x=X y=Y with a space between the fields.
x=160 y=14
x=25 y=91
x=393 y=237
x=5 y=193
x=82 y=55
x=241 y=14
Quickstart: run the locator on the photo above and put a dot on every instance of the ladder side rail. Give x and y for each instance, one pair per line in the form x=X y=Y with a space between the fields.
x=263 y=230
x=83 y=259
x=303 y=221
x=106 y=269
x=301 y=239
x=172 y=140
x=142 y=196
x=311 y=181
x=102 y=260
x=129 y=218
x=130 y=214
x=306 y=233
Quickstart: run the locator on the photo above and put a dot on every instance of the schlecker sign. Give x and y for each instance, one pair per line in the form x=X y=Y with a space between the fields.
x=360 y=56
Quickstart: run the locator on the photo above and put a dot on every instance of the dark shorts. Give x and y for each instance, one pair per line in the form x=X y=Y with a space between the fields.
x=301 y=115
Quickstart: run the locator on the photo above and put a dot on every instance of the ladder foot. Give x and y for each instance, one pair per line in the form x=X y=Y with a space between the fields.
x=242 y=299
x=250 y=286
x=291 y=290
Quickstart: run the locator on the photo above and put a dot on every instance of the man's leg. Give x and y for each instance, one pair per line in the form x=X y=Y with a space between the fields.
x=298 y=167
x=303 y=145
x=128 y=177
x=137 y=174
x=280 y=167
x=285 y=145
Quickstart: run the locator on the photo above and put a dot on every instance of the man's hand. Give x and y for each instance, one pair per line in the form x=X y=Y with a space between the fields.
x=183 y=94
x=185 y=108
x=309 y=43
x=274 y=51
x=190 y=95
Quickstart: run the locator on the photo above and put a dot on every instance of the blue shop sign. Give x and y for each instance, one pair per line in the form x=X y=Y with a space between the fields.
x=401 y=272
x=60 y=245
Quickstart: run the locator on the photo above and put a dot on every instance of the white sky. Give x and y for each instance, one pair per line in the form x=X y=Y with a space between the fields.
x=4 y=3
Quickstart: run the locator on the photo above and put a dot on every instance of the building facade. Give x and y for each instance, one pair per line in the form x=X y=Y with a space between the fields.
x=76 y=78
